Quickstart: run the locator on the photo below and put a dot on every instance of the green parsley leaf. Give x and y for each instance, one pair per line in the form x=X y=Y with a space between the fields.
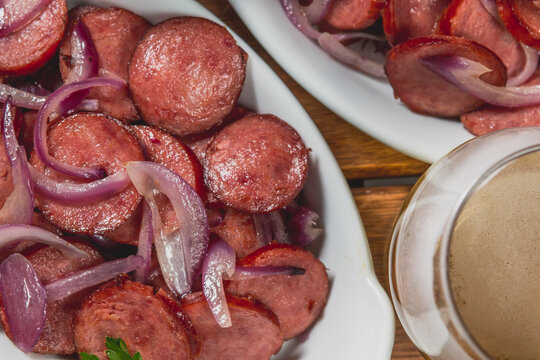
x=117 y=350
x=85 y=356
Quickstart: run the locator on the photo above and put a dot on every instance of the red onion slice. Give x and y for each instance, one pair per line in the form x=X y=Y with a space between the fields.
x=303 y=227
x=16 y=14
x=531 y=63
x=358 y=35
x=54 y=107
x=333 y=47
x=220 y=259
x=84 y=56
x=21 y=98
x=316 y=11
x=279 y=233
x=465 y=74
x=181 y=252
x=491 y=8
x=297 y=16
x=11 y=234
x=251 y=272
x=19 y=205
x=77 y=193
x=25 y=301
x=83 y=279
x=146 y=238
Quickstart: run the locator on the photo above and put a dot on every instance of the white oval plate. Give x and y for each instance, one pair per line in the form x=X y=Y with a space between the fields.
x=364 y=102
x=358 y=322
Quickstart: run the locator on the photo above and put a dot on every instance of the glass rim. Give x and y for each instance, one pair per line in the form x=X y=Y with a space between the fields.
x=455 y=317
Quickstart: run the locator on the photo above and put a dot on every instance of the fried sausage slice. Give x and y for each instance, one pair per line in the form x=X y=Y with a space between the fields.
x=26 y=50
x=149 y=324
x=186 y=74
x=257 y=164
x=91 y=139
x=426 y=92
x=254 y=334
x=297 y=300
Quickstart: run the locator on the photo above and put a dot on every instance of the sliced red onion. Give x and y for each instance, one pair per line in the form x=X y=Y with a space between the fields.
x=303 y=227
x=316 y=11
x=16 y=14
x=11 y=234
x=21 y=98
x=84 y=56
x=297 y=16
x=24 y=299
x=220 y=259
x=181 y=252
x=279 y=232
x=19 y=205
x=146 y=238
x=89 y=105
x=358 y=35
x=79 y=193
x=215 y=216
x=251 y=272
x=491 y=7
x=263 y=228
x=465 y=74
x=33 y=87
x=54 y=107
x=531 y=63
x=339 y=51
x=83 y=279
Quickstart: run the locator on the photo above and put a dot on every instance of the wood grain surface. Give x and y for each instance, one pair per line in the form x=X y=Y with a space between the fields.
x=360 y=158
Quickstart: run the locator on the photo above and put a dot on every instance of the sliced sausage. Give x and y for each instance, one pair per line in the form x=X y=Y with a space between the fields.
x=90 y=139
x=254 y=334
x=29 y=48
x=238 y=230
x=196 y=90
x=128 y=232
x=408 y=19
x=129 y=310
x=522 y=19
x=297 y=300
x=115 y=33
x=256 y=164
x=426 y=92
x=470 y=19
x=491 y=118
x=50 y=264
x=354 y=14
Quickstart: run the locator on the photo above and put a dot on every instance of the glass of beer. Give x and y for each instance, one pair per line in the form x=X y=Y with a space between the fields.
x=464 y=258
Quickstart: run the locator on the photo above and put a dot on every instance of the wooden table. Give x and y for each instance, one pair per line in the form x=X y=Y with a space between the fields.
x=365 y=162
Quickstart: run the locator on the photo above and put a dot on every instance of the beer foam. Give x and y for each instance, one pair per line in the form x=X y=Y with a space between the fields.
x=494 y=262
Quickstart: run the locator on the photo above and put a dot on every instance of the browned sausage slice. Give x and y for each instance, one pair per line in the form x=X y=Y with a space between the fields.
x=29 y=48
x=522 y=19
x=470 y=19
x=408 y=19
x=354 y=14
x=90 y=139
x=257 y=164
x=196 y=90
x=426 y=92
x=297 y=300
x=254 y=334
x=50 y=264
x=115 y=33
x=238 y=230
x=129 y=310
x=6 y=181
x=491 y=118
